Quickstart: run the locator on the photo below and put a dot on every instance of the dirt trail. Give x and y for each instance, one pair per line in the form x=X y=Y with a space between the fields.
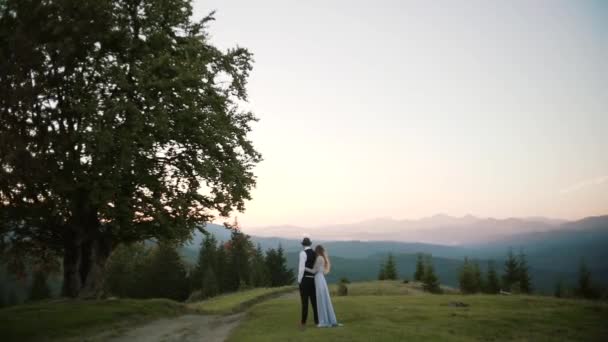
x=208 y=328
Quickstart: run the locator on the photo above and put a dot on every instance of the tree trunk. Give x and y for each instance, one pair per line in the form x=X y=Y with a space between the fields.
x=84 y=267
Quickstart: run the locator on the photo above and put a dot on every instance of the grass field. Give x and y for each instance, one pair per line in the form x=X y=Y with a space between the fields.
x=239 y=301
x=57 y=319
x=425 y=317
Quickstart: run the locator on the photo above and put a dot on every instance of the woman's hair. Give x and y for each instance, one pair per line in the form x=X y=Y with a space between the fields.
x=321 y=252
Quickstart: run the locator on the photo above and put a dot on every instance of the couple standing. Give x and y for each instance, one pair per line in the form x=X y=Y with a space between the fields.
x=311 y=276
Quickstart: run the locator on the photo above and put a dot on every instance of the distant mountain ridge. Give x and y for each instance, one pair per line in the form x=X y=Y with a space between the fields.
x=553 y=252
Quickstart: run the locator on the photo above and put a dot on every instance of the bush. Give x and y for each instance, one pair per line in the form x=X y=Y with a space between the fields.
x=344 y=280
x=342 y=289
x=406 y=281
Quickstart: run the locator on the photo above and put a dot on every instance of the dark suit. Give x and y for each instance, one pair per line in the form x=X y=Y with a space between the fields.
x=307 y=288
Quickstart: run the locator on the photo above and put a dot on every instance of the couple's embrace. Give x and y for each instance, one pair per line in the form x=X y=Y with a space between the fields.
x=311 y=276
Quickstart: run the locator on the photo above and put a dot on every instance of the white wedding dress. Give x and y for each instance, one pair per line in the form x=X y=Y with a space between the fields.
x=325 y=310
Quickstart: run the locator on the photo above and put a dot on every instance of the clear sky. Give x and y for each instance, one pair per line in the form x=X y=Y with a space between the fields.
x=405 y=109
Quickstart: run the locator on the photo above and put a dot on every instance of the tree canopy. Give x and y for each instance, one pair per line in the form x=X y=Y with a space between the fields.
x=119 y=123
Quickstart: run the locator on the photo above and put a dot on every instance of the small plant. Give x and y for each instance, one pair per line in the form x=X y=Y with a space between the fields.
x=406 y=281
x=342 y=289
x=344 y=280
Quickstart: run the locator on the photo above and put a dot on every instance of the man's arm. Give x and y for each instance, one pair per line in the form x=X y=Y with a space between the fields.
x=301 y=266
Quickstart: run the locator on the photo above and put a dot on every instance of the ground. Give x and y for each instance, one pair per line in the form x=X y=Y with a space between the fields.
x=373 y=311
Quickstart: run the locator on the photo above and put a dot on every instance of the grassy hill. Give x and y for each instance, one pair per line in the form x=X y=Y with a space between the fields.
x=396 y=313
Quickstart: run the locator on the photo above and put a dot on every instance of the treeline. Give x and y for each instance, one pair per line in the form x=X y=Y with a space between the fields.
x=516 y=278
x=141 y=271
x=425 y=272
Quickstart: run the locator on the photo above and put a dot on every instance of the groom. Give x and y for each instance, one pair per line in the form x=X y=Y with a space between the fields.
x=307 y=281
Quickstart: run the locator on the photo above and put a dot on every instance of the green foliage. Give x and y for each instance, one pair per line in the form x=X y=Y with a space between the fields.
x=276 y=264
x=165 y=275
x=390 y=268
x=492 y=284
x=125 y=270
x=344 y=280
x=430 y=282
x=525 y=282
x=114 y=115
x=382 y=271
x=419 y=274
x=467 y=278
x=260 y=276
x=585 y=287
x=210 y=285
x=511 y=274
x=239 y=250
x=40 y=288
x=207 y=260
x=342 y=289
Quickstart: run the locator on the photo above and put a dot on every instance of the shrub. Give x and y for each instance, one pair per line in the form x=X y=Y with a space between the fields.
x=342 y=289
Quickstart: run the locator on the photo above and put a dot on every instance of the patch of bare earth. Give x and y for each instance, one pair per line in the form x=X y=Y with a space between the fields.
x=209 y=328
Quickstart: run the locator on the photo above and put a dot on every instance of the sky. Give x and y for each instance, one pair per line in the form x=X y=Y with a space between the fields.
x=405 y=109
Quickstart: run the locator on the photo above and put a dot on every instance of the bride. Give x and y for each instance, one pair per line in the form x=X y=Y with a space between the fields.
x=325 y=310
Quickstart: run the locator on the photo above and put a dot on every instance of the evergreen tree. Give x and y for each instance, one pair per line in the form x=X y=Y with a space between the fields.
x=525 y=282
x=466 y=278
x=165 y=275
x=206 y=260
x=478 y=277
x=511 y=275
x=492 y=283
x=125 y=269
x=239 y=249
x=260 y=276
x=382 y=272
x=430 y=282
x=210 y=284
x=419 y=274
x=114 y=114
x=40 y=288
x=390 y=269
x=276 y=263
x=585 y=287
x=222 y=272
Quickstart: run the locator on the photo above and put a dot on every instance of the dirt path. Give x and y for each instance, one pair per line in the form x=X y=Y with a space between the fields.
x=208 y=328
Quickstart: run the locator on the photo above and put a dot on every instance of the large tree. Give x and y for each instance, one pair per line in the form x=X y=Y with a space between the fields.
x=119 y=122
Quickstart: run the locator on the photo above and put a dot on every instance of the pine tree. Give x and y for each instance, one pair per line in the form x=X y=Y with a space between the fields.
x=125 y=268
x=430 y=282
x=259 y=271
x=39 y=289
x=419 y=274
x=206 y=260
x=390 y=269
x=585 y=288
x=209 y=286
x=525 y=282
x=222 y=272
x=276 y=264
x=382 y=272
x=165 y=276
x=239 y=250
x=492 y=283
x=478 y=277
x=510 y=278
x=2 y=295
x=466 y=278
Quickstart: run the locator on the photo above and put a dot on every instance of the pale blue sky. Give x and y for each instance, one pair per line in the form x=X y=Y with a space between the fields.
x=410 y=108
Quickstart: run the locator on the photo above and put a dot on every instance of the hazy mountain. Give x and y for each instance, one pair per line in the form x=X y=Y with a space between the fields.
x=438 y=229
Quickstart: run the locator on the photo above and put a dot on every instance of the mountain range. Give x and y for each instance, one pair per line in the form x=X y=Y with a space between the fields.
x=554 y=248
